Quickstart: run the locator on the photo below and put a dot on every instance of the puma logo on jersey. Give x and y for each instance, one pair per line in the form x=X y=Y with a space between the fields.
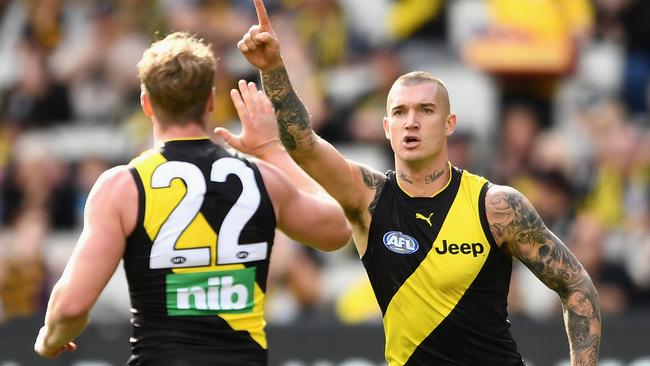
x=465 y=248
x=424 y=218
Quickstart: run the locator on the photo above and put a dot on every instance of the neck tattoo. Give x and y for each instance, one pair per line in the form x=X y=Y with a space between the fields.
x=405 y=178
x=433 y=176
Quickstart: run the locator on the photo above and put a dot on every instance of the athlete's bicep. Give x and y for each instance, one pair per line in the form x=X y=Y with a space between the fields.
x=515 y=224
x=101 y=244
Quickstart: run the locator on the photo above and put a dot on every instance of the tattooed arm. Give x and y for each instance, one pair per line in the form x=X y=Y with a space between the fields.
x=294 y=123
x=355 y=186
x=261 y=48
x=352 y=185
x=517 y=228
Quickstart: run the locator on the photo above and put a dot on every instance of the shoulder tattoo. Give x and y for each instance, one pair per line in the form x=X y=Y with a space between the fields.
x=373 y=180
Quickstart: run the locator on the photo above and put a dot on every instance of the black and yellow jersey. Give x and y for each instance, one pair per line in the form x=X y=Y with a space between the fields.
x=198 y=258
x=439 y=277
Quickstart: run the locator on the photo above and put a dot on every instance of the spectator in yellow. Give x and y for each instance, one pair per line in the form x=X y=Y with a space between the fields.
x=531 y=35
x=411 y=18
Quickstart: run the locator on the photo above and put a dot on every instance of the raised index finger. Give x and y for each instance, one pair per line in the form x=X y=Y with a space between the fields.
x=262 y=16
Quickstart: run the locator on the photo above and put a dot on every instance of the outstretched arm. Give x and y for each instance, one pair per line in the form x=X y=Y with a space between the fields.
x=261 y=48
x=515 y=224
x=344 y=180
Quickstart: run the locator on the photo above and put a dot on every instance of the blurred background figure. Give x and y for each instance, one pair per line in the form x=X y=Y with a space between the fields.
x=34 y=200
x=625 y=21
x=23 y=282
x=295 y=281
x=529 y=46
x=613 y=284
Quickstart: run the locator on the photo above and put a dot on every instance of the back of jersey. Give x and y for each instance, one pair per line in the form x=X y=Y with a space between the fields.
x=198 y=259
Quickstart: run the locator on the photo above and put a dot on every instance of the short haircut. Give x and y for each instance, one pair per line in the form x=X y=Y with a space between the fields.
x=177 y=73
x=419 y=77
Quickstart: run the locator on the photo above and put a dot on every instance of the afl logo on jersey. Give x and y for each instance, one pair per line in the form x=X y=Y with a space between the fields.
x=178 y=260
x=242 y=255
x=400 y=243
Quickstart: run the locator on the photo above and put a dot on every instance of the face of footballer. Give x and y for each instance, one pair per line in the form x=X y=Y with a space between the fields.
x=418 y=121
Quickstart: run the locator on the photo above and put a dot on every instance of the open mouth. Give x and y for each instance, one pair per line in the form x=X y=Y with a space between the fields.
x=411 y=140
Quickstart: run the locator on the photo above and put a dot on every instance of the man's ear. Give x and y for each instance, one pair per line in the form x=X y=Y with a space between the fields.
x=450 y=125
x=145 y=103
x=386 y=129
x=211 y=99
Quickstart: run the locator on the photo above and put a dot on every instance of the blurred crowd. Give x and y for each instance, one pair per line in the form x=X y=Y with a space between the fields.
x=552 y=97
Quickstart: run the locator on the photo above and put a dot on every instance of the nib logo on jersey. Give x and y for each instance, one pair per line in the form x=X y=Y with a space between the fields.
x=400 y=243
x=207 y=293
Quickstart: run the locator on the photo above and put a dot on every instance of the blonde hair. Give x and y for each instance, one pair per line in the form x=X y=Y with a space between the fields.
x=177 y=74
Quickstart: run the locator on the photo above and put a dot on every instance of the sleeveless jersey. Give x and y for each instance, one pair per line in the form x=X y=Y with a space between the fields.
x=198 y=258
x=439 y=277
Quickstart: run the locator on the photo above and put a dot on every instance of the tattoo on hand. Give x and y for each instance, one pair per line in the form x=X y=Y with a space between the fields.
x=514 y=222
x=293 y=118
x=433 y=176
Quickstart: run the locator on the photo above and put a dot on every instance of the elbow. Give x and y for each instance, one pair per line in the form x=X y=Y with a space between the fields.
x=339 y=237
x=334 y=244
x=582 y=296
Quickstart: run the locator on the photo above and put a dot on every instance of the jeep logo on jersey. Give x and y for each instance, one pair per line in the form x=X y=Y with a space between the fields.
x=465 y=248
x=400 y=243
x=178 y=260
x=207 y=293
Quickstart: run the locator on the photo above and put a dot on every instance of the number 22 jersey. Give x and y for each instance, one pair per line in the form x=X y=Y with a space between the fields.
x=197 y=261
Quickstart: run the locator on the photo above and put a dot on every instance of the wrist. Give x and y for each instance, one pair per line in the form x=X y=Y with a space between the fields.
x=279 y=64
x=49 y=341
x=271 y=149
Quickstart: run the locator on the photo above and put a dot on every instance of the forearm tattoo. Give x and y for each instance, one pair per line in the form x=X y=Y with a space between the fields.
x=293 y=119
x=373 y=180
x=516 y=224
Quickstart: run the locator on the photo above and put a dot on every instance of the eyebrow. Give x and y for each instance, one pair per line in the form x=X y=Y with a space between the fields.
x=419 y=105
